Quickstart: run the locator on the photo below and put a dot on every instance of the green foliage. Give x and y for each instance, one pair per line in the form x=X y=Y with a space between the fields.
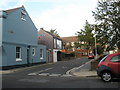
x=77 y=44
x=54 y=32
x=85 y=35
x=72 y=54
x=108 y=16
x=100 y=50
x=118 y=44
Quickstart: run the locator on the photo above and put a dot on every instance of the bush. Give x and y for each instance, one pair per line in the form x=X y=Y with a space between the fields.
x=72 y=54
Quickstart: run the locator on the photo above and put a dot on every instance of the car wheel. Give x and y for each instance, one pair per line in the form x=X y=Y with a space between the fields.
x=106 y=76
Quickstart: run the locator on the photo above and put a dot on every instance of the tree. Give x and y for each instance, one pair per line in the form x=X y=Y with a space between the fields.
x=100 y=50
x=107 y=15
x=77 y=44
x=54 y=32
x=85 y=35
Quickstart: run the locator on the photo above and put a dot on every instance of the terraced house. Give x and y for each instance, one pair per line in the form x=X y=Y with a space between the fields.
x=18 y=39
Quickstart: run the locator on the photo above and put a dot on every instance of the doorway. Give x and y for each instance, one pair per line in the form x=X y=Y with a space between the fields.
x=28 y=56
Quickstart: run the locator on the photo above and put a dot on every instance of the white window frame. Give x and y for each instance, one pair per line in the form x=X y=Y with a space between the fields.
x=33 y=51
x=23 y=15
x=18 y=59
x=41 y=54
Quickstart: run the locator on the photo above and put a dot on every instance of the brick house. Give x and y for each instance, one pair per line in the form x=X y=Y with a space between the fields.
x=69 y=44
x=53 y=44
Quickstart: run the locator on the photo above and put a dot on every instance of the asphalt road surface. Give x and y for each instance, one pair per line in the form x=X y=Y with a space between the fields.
x=54 y=76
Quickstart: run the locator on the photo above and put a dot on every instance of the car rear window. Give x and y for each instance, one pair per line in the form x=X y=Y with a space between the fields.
x=115 y=58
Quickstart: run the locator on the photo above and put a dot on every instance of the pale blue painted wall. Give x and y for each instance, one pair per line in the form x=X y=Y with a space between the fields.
x=9 y=54
x=1 y=27
x=1 y=38
x=38 y=53
x=20 y=33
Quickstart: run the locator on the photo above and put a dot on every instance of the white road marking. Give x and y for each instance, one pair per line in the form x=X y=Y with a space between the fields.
x=64 y=67
x=35 y=73
x=43 y=74
x=32 y=74
x=55 y=75
x=44 y=70
x=65 y=75
x=51 y=75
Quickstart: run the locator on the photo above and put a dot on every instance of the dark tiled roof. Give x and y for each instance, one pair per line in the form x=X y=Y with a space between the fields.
x=52 y=34
x=12 y=10
x=69 y=39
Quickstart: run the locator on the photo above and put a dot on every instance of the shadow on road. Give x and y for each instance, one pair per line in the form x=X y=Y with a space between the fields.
x=116 y=80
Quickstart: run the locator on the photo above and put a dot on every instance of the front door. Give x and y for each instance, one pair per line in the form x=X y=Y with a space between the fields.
x=28 y=56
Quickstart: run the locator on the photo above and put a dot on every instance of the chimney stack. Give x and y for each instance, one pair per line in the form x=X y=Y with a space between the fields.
x=41 y=28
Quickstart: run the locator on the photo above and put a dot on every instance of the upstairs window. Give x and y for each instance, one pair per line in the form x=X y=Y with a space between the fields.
x=59 y=44
x=55 y=44
x=23 y=15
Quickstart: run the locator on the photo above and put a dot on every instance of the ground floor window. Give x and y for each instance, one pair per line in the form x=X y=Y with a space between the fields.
x=18 y=54
x=33 y=51
x=41 y=53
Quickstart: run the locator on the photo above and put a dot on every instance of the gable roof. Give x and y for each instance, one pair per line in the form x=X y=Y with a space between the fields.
x=12 y=10
x=51 y=34
x=69 y=39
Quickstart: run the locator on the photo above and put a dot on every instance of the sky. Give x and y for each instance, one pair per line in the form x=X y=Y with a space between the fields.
x=66 y=16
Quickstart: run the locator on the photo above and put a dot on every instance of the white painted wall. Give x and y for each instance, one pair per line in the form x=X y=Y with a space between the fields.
x=55 y=55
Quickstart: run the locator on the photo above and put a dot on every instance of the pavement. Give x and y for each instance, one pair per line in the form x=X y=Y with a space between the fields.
x=20 y=69
x=83 y=70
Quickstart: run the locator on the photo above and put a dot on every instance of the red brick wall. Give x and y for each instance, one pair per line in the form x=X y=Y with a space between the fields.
x=45 y=39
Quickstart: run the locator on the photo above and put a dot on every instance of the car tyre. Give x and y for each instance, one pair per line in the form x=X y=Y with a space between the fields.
x=106 y=76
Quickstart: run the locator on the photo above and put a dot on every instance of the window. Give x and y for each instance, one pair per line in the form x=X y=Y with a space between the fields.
x=33 y=51
x=68 y=43
x=23 y=15
x=72 y=43
x=55 y=44
x=59 y=44
x=115 y=58
x=18 y=54
x=41 y=53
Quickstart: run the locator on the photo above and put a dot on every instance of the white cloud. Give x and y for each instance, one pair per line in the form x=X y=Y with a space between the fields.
x=68 y=16
x=67 y=19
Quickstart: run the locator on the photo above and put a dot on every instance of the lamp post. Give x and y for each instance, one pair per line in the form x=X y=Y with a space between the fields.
x=95 y=45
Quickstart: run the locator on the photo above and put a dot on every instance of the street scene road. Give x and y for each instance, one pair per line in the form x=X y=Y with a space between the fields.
x=54 y=76
x=60 y=44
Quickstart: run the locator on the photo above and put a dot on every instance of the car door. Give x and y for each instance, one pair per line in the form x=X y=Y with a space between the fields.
x=114 y=63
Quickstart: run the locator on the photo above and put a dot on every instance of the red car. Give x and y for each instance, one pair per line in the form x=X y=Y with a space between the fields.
x=91 y=56
x=109 y=67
